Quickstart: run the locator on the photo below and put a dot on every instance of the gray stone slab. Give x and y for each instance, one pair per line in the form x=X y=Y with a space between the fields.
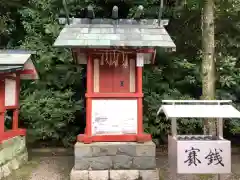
x=94 y=163
x=82 y=150
x=149 y=174
x=124 y=175
x=122 y=162
x=110 y=149
x=16 y=162
x=113 y=155
x=144 y=162
x=114 y=175
x=100 y=163
x=127 y=149
x=104 y=150
x=146 y=149
x=99 y=175
x=79 y=175
x=81 y=164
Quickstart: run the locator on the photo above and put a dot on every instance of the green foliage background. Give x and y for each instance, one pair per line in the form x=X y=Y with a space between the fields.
x=52 y=108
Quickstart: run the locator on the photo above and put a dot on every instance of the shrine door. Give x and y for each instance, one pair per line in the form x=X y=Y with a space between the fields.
x=114 y=79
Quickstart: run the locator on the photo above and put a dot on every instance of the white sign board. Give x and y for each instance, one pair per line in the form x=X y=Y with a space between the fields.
x=114 y=117
x=10 y=92
x=140 y=60
x=204 y=157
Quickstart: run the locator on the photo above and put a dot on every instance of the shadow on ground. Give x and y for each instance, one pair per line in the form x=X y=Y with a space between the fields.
x=59 y=167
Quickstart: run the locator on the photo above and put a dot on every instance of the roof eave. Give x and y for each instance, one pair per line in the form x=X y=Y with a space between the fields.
x=170 y=48
x=16 y=51
x=11 y=70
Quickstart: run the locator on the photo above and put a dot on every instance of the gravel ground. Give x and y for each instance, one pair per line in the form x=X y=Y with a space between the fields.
x=54 y=168
x=44 y=168
x=58 y=168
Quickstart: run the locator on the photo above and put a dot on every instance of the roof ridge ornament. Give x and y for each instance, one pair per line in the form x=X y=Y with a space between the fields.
x=66 y=11
x=160 y=12
x=115 y=12
x=137 y=15
x=90 y=12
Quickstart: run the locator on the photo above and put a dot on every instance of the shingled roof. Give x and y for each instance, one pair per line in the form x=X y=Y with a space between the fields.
x=99 y=33
x=13 y=60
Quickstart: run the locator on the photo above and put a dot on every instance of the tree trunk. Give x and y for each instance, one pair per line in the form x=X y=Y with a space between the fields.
x=208 y=61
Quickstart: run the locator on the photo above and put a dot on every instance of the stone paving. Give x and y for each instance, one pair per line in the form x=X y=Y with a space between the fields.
x=59 y=167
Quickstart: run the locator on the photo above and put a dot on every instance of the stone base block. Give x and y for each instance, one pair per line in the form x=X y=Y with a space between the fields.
x=114 y=174
x=115 y=155
x=13 y=154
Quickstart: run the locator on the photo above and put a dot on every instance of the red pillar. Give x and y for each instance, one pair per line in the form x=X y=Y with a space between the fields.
x=141 y=136
x=139 y=101
x=16 y=111
x=88 y=130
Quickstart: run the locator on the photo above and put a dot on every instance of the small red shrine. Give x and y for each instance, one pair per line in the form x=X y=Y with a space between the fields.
x=14 y=66
x=115 y=52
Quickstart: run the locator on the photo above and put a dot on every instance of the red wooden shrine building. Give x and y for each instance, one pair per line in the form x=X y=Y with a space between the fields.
x=115 y=52
x=14 y=66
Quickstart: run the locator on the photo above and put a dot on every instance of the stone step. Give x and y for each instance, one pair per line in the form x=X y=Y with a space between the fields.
x=114 y=175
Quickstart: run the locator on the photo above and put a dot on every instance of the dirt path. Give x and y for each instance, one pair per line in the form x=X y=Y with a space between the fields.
x=54 y=168
x=58 y=168
x=44 y=168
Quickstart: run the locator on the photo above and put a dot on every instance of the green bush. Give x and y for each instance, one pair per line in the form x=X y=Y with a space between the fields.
x=50 y=114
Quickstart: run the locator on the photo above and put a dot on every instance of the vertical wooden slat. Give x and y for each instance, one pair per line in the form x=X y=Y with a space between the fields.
x=132 y=75
x=96 y=75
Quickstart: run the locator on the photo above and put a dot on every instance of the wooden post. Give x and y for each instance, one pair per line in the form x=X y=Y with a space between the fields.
x=88 y=131
x=139 y=101
x=208 y=61
x=16 y=111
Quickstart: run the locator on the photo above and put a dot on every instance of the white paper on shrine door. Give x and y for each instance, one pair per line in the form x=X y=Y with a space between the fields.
x=204 y=157
x=10 y=92
x=114 y=117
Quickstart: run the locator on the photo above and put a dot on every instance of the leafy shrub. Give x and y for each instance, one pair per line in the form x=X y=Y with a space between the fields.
x=50 y=114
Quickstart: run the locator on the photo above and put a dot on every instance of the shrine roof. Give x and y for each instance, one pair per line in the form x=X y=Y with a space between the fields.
x=208 y=109
x=14 y=57
x=15 y=60
x=114 y=33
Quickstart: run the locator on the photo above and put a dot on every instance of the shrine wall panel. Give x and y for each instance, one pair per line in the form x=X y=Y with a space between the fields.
x=10 y=92
x=105 y=78
x=121 y=79
x=114 y=117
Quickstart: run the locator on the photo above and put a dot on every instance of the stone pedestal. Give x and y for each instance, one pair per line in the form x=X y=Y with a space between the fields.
x=115 y=161
x=13 y=154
